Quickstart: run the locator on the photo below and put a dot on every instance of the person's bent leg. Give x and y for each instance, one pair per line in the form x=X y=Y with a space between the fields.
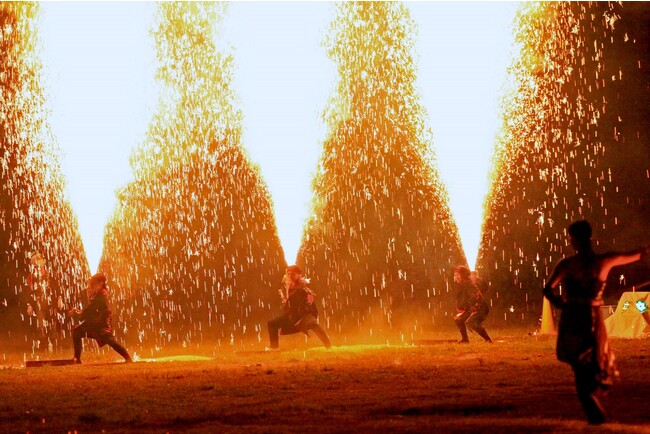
x=119 y=348
x=77 y=335
x=586 y=387
x=322 y=335
x=482 y=333
x=460 y=323
x=476 y=324
x=274 y=331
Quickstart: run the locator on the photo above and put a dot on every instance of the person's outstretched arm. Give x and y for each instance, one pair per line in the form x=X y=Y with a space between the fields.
x=614 y=259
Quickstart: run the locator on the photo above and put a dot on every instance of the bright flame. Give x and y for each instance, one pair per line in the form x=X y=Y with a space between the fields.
x=103 y=93
x=464 y=51
x=99 y=58
x=283 y=77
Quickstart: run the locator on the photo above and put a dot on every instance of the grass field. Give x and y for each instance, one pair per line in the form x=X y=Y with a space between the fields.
x=513 y=385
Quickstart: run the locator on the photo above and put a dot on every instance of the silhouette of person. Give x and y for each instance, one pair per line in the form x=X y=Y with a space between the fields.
x=582 y=338
x=471 y=306
x=96 y=320
x=300 y=311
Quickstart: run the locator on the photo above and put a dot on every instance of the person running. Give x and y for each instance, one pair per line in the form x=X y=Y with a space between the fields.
x=96 y=320
x=300 y=311
x=582 y=338
x=472 y=308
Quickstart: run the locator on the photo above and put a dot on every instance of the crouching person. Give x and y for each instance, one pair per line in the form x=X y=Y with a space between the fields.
x=96 y=320
x=300 y=311
x=471 y=305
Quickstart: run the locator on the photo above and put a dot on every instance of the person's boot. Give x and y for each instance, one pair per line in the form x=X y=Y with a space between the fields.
x=274 y=336
x=594 y=409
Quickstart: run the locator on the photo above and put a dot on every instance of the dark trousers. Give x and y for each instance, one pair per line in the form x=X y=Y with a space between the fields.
x=474 y=322
x=288 y=326
x=587 y=386
x=82 y=331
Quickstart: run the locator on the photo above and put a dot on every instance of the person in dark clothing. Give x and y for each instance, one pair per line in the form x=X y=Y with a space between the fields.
x=96 y=320
x=480 y=284
x=582 y=338
x=471 y=306
x=300 y=311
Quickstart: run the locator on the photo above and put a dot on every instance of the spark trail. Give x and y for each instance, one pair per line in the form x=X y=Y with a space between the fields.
x=192 y=248
x=562 y=152
x=42 y=260
x=380 y=243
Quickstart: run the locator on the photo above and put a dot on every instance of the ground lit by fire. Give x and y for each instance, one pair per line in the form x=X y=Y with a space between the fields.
x=442 y=386
x=194 y=258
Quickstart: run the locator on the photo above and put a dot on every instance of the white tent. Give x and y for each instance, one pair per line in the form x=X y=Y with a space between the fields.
x=632 y=316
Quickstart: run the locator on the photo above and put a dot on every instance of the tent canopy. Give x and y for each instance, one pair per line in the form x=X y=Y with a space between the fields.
x=632 y=316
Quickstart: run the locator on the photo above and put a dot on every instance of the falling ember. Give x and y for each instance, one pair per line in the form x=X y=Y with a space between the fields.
x=192 y=249
x=42 y=259
x=561 y=155
x=380 y=239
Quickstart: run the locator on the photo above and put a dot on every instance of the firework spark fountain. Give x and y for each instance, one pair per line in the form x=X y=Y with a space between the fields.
x=380 y=243
x=42 y=259
x=192 y=248
x=562 y=153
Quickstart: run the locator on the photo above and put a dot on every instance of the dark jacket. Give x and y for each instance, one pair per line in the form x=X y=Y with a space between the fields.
x=97 y=317
x=297 y=305
x=466 y=296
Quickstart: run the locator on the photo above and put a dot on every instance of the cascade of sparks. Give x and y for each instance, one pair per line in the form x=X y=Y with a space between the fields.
x=561 y=154
x=380 y=244
x=42 y=260
x=192 y=250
